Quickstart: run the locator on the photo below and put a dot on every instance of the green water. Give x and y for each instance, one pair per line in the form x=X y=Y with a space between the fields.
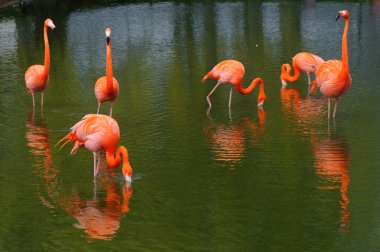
x=277 y=179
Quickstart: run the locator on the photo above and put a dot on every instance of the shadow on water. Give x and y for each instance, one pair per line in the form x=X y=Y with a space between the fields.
x=98 y=217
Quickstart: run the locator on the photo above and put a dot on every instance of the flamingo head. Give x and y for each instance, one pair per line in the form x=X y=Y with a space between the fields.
x=108 y=35
x=261 y=100
x=127 y=172
x=344 y=14
x=285 y=69
x=49 y=23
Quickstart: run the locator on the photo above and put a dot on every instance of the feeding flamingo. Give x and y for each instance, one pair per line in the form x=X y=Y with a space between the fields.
x=107 y=87
x=302 y=61
x=333 y=77
x=96 y=133
x=232 y=72
x=37 y=76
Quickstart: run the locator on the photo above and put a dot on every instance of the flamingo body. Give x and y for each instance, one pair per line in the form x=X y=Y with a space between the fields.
x=37 y=76
x=96 y=133
x=231 y=72
x=333 y=76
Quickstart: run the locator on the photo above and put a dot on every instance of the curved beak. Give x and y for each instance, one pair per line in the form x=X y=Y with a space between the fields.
x=337 y=16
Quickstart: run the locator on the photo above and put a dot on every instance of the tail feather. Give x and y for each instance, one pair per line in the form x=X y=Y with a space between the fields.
x=205 y=78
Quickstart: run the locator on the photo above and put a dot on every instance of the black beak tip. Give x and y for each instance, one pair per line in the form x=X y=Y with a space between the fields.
x=337 y=16
x=108 y=40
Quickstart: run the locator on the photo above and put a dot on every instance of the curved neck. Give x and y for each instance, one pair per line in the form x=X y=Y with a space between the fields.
x=109 y=74
x=114 y=160
x=296 y=73
x=345 y=50
x=47 y=52
x=249 y=89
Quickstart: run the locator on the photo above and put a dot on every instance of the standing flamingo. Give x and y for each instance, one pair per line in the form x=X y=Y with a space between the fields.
x=232 y=72
x=333 y=76
x=302 y=61
x=107 y=87
x=37 y=76
x=96 y=133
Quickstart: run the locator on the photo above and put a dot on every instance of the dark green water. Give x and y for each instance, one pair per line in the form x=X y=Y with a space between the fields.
x=278 y=179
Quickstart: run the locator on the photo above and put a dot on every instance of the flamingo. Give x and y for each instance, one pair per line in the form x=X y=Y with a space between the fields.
x=37 y=76
x=333 y=77
x=302 y=61
x=96 y=133
x=232 y=72
x=107 y=87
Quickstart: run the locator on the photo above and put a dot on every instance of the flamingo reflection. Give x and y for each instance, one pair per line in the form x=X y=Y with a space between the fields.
x=227 y=142
x=98 y=217
x=332 y=158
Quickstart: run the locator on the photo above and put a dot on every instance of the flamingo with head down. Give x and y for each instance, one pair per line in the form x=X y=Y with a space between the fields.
x=96 y=133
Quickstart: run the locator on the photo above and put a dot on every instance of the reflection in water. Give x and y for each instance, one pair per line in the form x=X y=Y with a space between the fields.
x=332 y=158
x=227 y=142
x=99 y=217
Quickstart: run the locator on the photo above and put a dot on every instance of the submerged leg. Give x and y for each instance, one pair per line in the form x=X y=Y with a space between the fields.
x=336 y=105
x=212 y=91
x=98 y=108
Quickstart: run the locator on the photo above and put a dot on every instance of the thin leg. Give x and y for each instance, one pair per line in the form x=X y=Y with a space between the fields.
x=229 y=103
x=111 y=109
x=98 y=164
x=33 y=100
x=336 y=105
x=42 y=100
x=308 y=77
x=94 y=153
x=98 y=108
x=328 y=108
x=212 y=91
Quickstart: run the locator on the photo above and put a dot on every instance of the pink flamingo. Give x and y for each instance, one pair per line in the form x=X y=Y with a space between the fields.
x=107 y=87
x=96 y=133
x=37 y=76
x=232 y=72
x=302 y=61
x=333 y=77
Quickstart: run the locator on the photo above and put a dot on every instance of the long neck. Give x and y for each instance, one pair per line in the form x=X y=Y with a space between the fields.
x=47 y=52
x=114 y=160
x=345 y=69
x=296 y=73
x=109 y=74
x=249 y=89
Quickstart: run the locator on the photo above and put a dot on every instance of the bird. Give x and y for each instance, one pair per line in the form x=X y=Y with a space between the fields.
x=96 y=133
x=232 y=72
x=37 y=76
x=302 y=61
x=333 y=76
x=107 y=87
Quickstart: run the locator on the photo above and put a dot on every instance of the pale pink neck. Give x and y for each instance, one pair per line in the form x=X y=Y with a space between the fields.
x=109 y=74
x=47 y=53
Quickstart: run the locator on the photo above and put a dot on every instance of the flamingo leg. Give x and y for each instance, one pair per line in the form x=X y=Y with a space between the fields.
x=229 y=102
x=336 y=105
x=111 y=109
x=33 y=100
x=309 y=82
x=98 y=108
x=94 y=153
x=328 y=108
x=42 y=100
x=212 y=91
x=98 y=164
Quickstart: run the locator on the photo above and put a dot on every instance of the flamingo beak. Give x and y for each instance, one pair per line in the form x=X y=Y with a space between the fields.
x=283 y=83
x=337 y=17
x=52 y=26
x=260 y=104
x=108 y=40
